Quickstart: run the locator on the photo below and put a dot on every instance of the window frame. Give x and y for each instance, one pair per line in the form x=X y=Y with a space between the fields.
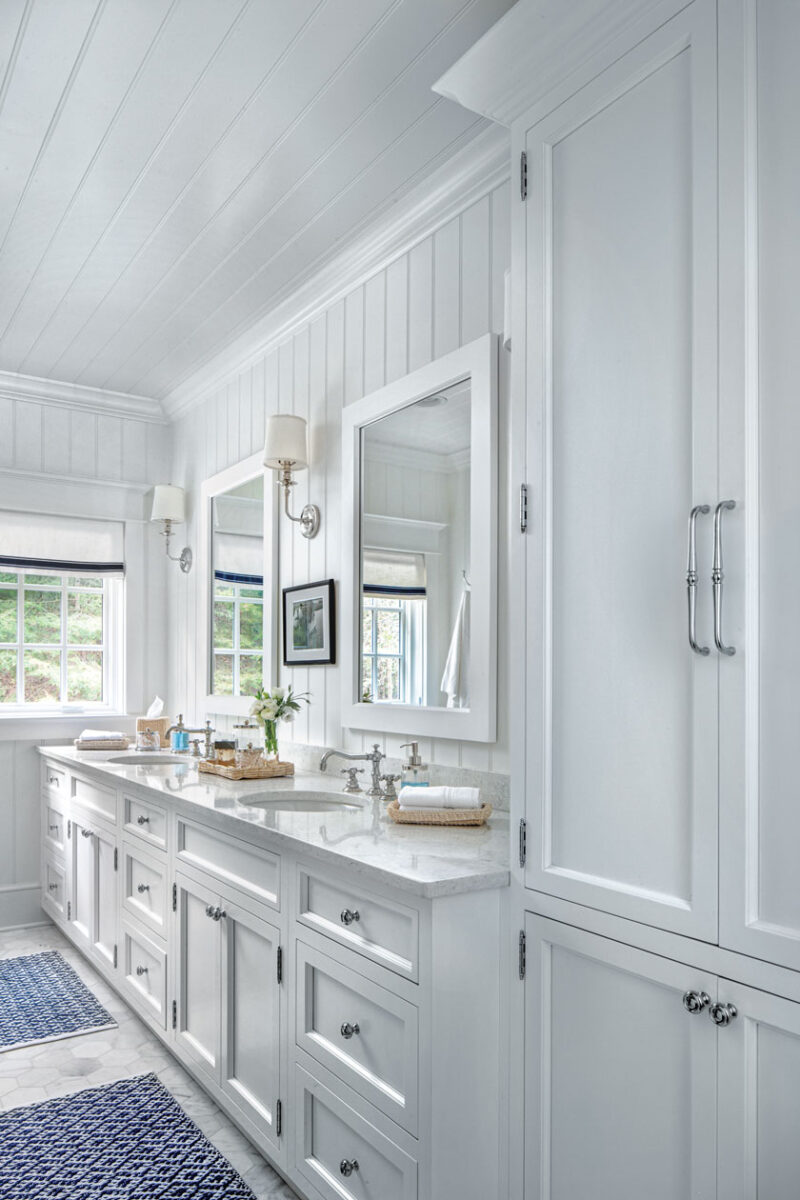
x=236 y=651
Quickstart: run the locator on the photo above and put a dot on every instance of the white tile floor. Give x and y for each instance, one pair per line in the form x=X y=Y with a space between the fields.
x=72 y=1064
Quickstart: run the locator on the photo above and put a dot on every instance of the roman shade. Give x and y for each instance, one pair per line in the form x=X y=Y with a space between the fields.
x=393 y=573
x=39 y=541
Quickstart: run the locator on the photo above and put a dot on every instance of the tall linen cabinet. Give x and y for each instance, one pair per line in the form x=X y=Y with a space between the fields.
x=655 y=359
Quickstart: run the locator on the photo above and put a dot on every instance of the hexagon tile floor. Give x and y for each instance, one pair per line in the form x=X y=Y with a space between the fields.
x=59 y=1068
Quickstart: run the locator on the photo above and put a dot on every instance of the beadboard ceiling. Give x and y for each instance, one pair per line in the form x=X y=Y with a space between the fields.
x=171 y=169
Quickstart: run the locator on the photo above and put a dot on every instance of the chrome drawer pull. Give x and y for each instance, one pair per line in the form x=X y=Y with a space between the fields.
x=695 y=1002
x=691 y=579
x=717 y=577
x=348 y=915
x=722 y=1014
x=142 y=820
x=348 y=1165
x=142 y=888
x=141 y=970
x=348 y=1030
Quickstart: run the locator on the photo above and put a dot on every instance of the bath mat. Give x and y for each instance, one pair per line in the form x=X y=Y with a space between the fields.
x=124 y=1141
x=42 y=1000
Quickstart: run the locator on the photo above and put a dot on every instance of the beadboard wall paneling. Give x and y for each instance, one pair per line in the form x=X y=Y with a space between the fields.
x=444 y=292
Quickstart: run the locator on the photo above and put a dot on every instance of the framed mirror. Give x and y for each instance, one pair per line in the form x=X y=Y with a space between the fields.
x=240 y=582
x=419 y=599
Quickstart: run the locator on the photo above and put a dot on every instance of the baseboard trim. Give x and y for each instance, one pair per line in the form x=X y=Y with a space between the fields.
x=20 y=905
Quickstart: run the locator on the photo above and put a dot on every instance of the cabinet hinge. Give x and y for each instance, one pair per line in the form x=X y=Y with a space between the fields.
x=174 y=1014
x=522 y=954
x=278 y=1118
x=69 y=910
x=174 y=897
x=116 y=865
x=115 y=954
x=523 y=176
x=523 y=841
x=279 y=968
x=523 y=508
x=69 y=829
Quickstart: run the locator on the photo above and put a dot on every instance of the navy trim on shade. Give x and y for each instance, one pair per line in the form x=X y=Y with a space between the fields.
x=378 y=590
x=62 y=565
x=233 y=577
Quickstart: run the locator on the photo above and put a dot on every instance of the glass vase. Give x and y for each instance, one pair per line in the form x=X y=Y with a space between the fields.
x=271 y=739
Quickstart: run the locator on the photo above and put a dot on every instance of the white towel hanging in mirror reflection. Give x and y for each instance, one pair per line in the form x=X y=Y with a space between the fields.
x=455 y=680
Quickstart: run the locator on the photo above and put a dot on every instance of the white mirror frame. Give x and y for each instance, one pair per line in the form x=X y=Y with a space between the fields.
x=217 y=485
x=478 y=360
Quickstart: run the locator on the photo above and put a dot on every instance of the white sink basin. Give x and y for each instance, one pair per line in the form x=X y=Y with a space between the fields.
x=143 y=757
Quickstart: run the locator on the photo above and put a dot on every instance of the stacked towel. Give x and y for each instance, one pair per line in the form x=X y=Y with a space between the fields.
x=416 y=799
x=102 y=735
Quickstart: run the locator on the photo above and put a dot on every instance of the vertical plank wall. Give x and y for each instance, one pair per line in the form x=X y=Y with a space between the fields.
x=87 y=464
x=446 y=291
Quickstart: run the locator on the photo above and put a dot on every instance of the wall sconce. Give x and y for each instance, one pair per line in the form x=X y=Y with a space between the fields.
x=285 y=451
x=169 y=507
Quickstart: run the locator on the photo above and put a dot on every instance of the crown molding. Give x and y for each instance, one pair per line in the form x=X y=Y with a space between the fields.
x=474 y=171
x=73 y=395
x=410 y=458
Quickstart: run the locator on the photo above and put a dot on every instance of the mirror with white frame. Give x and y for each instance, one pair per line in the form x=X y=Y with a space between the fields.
x=420 y=579
x=240 y=586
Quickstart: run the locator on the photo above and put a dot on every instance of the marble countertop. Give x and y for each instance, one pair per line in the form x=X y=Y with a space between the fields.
x=305 y=814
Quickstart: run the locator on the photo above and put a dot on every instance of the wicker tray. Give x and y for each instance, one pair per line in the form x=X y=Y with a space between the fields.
x=440 y=816
x=106 y=744
x=265 y=770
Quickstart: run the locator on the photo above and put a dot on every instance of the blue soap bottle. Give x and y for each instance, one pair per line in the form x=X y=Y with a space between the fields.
x=414 y=771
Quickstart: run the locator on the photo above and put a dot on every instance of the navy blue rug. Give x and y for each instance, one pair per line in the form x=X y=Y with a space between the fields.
x=128 y=1140
x=42 y=999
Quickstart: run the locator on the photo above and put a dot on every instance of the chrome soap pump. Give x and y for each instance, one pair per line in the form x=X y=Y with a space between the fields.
x=415 y=771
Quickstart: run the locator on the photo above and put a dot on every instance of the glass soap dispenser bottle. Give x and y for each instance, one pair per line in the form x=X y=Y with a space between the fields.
x=415 y=771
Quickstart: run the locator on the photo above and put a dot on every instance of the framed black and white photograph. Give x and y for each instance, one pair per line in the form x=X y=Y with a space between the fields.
x=309 y=624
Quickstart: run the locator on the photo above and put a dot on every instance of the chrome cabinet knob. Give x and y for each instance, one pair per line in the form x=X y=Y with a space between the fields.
x=216 y=914
x=86 y=833
x=695 y=1002
x=348 y=1030
x=143 y=887
x=53 y=887
x=52 y=828
x=210 y=910
x=141 y=970
x=54 y=780
x=348 y=915
x=142 y=820
x=220 y=914
x=722 y=1014
x=348 y=1165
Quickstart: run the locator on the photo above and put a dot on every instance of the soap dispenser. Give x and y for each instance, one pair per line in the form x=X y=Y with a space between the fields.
x=415 y=771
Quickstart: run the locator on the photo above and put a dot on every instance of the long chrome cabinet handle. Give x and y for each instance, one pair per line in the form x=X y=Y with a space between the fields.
x=691 y=578
x=717 y=577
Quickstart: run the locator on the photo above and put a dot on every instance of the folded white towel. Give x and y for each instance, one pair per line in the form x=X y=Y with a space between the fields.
x=416 y=798
x=101 y=735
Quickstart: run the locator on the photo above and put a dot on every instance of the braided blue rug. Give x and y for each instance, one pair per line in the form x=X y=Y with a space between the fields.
x=127 y=1141
x=42 y=999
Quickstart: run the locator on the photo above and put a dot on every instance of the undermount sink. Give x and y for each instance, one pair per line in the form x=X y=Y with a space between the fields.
x=323 y=802
x=143 y=757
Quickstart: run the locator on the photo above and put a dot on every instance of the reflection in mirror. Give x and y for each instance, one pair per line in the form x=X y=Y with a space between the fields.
x=237 y=609
x=415 y=544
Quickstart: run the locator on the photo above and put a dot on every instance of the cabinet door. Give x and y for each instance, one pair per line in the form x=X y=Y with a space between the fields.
x=82 y=880
x=620 y=1079
x=621 y=761
x=759 y=1096
x=250 y=1015
x=759 y=367
x=198 y=995
x=106 y=896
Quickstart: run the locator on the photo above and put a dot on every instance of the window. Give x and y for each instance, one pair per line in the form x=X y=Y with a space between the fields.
x=238 y=635
x=390 y=669
x=56 y=632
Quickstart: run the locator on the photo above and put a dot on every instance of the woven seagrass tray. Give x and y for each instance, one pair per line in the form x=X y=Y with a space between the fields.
x=440 y=816
x=106 y=744
x=265 y=770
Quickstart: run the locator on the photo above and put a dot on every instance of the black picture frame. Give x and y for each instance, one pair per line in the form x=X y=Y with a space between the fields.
x=309 y=614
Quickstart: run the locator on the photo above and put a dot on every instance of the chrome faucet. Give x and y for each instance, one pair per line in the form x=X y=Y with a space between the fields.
x=207 y=731
x=374 y=757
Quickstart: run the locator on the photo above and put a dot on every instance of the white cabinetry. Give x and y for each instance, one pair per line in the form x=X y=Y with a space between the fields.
x=93 y=891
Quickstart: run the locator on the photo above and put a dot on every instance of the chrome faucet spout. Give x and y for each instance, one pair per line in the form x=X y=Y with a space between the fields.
x=374 y=757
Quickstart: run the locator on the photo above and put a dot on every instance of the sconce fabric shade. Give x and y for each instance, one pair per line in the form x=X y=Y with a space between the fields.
x=286 y=441
x=169 y=503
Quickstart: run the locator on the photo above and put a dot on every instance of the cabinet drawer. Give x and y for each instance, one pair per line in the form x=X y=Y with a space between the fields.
x=54 y=889
x=341 y=1154
x=146 y=820
x=249 y=868
x=54 y=779
x=386 y=932
x=144 y=887
x=96 y=799
x=144 y=973
x=54 y=825
x=363 y=1033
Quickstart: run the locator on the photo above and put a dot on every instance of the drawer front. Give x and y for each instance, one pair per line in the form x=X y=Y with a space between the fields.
x=54 y=825
x=341 y=1154
x=146 y=820
x=386 y=932
x=54 y=779
x=363 y=1033
x=144 y=887
x=54 y=889
x=248 y=868
x=96 y=799
x=144 y=973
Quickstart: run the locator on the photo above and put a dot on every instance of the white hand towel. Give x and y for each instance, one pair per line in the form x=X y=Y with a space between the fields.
x=416 y=798
x=101 y=735
x=455 y=680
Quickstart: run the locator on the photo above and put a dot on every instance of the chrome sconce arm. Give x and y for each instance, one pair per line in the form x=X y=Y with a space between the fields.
x=185 y=556
x=310 y=516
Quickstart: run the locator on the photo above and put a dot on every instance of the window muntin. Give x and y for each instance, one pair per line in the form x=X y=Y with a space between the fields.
x=56 y=630
x=238 y=631
x=388 y=672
